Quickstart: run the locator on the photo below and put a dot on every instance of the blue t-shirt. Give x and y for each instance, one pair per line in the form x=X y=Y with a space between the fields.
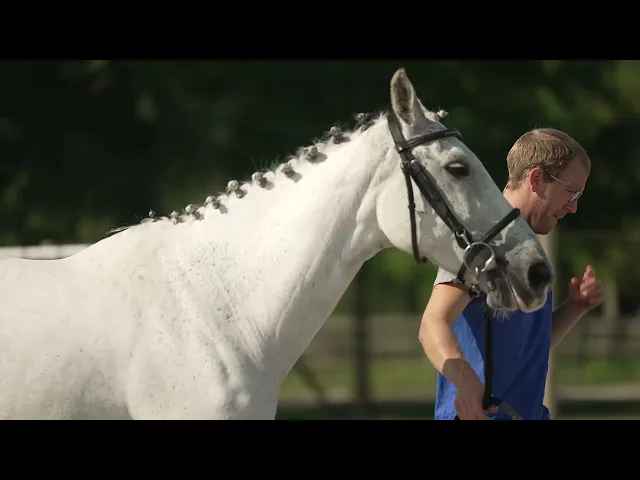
x=521 y=347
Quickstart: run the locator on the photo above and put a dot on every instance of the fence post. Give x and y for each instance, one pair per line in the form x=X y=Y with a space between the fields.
x=362 y=392
x=611 y=314
x=550 y=245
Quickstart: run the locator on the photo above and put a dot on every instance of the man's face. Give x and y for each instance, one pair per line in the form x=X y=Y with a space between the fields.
x=557 y=198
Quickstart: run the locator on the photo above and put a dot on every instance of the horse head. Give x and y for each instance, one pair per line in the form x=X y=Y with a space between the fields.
x=457 y=218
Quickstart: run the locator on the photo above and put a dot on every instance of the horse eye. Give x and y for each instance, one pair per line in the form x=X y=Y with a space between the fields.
x=458 y=169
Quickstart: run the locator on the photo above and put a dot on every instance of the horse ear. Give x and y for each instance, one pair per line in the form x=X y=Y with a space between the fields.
x=405 y=102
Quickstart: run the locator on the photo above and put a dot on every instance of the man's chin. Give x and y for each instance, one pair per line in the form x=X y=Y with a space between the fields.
x=544 y=230
x=544 y=225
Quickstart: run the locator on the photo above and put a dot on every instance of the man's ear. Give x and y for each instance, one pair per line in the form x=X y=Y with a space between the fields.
x=536 y=179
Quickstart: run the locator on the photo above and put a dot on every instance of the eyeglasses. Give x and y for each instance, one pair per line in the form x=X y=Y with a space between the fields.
x=573 y=194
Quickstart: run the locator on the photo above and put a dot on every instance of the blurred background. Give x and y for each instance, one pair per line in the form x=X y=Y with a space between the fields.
x=89 y=145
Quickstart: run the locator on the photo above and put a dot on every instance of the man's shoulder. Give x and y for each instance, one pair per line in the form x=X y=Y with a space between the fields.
x=475 y=305
x=449 y=296
x=445 y=276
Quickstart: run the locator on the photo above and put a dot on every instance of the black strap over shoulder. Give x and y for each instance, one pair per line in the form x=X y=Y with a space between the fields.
x=489 y=400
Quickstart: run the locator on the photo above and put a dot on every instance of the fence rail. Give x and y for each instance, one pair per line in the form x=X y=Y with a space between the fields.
x=42 y=252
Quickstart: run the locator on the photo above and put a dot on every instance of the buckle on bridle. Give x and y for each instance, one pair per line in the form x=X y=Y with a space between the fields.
x=470 y=252
x=469 y=255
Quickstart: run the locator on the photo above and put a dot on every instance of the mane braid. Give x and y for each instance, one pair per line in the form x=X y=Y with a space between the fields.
x=312 y=154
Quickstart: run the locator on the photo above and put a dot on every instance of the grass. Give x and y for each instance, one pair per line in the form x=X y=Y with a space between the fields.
x=424 y=411
x=599 y=372
x=389 y=379
x=416 y=378
x=405 y=390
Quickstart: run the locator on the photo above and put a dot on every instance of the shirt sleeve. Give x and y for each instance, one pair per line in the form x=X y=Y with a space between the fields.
x=444 y=276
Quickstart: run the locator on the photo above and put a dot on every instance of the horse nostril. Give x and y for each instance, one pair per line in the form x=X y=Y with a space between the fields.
x=539 y=275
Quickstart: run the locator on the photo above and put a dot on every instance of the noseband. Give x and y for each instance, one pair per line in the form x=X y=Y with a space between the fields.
x=412 y=169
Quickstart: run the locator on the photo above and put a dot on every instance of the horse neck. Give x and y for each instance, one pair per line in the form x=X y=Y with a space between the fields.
x=285 y=255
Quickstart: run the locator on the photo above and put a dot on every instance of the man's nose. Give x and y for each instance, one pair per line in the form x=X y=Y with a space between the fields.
x=572 y=207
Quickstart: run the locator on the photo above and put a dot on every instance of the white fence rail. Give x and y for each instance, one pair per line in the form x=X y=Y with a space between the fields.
x=42 y=252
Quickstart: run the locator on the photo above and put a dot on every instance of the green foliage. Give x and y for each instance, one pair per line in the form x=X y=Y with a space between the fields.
x=87 y=145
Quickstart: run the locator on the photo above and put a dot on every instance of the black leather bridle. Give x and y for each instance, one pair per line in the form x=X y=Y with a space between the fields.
x=412 y=169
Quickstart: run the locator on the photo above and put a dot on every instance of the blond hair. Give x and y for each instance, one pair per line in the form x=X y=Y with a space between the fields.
x=546 y=148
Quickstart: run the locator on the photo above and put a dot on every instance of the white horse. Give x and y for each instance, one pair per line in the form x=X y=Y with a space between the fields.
x=202 y=315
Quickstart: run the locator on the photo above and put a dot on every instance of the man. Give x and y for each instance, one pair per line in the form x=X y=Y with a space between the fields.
x=548 y=171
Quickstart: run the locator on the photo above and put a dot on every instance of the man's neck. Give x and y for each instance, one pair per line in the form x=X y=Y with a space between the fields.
x=518 y=199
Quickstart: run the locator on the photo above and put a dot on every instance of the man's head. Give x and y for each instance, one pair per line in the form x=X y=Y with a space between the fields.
x=548 y=171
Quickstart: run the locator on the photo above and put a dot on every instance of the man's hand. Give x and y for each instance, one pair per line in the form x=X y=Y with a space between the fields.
x=586 y=293
x=469 y=402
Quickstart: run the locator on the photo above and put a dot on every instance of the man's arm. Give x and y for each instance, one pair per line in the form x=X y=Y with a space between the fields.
x=447 y=302
x=585 y=294
x=563 y=319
